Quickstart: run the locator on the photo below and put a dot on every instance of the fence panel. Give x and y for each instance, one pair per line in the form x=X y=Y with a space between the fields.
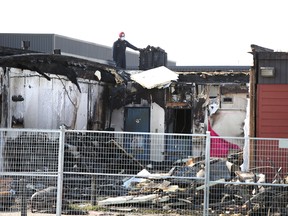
x=29 y=163
x=141 y=173
x=252 y=181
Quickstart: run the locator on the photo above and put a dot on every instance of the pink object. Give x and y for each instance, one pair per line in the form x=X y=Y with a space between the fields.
x=219 y=146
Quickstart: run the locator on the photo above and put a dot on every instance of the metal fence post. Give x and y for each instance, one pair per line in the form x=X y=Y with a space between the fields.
x=207 y=174
x=60 y=171
x=93 y=190
x=23 y=197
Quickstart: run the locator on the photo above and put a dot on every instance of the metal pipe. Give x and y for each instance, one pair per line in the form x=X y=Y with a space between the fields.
x=23 y=198
x=60 y=171
x=207 y=175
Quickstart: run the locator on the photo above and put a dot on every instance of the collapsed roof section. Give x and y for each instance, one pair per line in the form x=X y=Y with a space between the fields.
x=105 y=71
x=208 y=74
x=212 y=74
x=69 y=66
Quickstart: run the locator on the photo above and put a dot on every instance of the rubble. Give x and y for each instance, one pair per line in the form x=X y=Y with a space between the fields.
x=44 y=199
x=121 y=181
x=183 y=188
x=7 y=194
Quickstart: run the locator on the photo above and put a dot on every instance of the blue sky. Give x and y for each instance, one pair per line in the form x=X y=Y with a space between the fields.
x=203 y=32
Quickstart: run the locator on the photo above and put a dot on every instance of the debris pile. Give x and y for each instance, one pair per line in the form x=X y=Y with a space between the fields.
x=182 y=188
x=119 y=180
x=7 y=194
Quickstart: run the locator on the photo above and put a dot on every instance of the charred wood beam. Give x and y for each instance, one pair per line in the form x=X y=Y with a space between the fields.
x=209 y=69
x=7 y=51
x=68 y=66
x=204 y=78
x=126 y=153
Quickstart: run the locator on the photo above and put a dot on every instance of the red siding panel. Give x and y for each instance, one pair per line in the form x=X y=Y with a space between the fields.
x=272 y=111
x=272 y=122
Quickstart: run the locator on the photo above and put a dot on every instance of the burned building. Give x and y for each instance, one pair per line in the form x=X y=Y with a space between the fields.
x=41 y=90
x=46 y=90
x=192 y=98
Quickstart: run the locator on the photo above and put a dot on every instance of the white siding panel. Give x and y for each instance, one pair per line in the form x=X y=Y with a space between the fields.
x=157 y=126
x=50 y=104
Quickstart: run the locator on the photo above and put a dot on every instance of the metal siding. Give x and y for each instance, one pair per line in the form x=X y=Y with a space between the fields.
x=279 y=61
x=91 y=50
x=38 y=42
x=48 y=42
x=82 y=48
x=272 y=112
x=272 y=122
x=132 y=59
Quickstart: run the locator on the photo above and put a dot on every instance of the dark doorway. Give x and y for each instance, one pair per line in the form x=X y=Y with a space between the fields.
x=179 y=121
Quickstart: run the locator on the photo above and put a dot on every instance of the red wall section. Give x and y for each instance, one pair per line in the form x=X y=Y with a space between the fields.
x=272 y=111
x=271 y=122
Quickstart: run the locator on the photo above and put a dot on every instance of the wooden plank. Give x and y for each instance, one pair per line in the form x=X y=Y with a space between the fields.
x=128 y=199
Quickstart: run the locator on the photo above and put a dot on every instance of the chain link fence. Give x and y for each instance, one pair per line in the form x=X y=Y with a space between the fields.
x=68 y=172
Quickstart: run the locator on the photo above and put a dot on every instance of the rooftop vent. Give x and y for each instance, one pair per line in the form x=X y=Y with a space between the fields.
x=25 y=45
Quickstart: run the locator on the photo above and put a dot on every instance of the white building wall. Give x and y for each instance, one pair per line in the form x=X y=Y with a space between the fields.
x=157 y=126
x=49 y=104
x=157 y=119
x=239 y=101
x=117 y=120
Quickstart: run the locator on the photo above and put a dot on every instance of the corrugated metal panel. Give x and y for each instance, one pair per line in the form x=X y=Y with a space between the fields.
x=48 y=42
x=132 y=59
x=38 y=42
x=272 y=112
x=82 y=48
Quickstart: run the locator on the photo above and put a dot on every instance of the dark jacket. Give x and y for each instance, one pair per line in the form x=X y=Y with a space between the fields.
x=119 y=48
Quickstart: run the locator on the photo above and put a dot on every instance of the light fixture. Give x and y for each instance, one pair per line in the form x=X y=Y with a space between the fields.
x=267 y=71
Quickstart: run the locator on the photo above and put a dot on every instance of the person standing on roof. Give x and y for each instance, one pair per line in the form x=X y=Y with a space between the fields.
x=119 y=48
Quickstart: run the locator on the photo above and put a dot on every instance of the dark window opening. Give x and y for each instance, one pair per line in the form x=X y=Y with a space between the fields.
x=227 y=100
